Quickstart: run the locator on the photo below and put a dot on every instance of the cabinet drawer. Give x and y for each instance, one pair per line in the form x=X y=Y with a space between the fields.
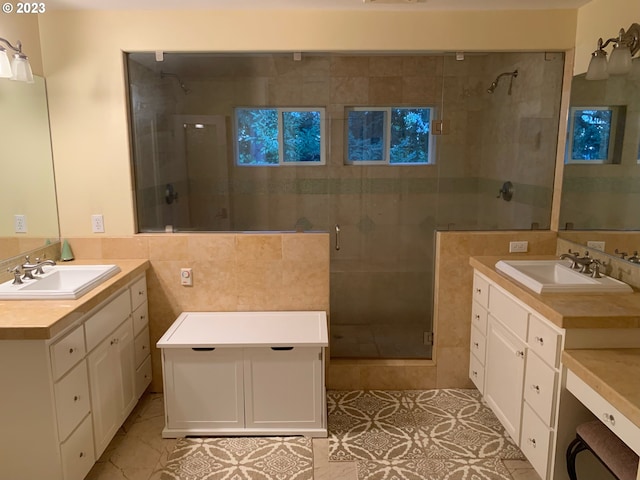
x=604 y=411
x=535 y=442
x=544 y=340
x=476 y=373
x=72 y=400
x=479 y=317
x=77 y=452
x=105 y=321
x=138 y=292
x=509 y=312
x=540 y=387
x=142 y=345
x=67 y=352
x=140 y=318
x=481 y=291
x=478 y=345
x=143 y=377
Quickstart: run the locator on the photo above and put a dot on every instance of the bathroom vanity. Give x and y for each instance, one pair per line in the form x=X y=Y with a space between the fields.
x=72 y=371
x=245 y=373
x=517 y=340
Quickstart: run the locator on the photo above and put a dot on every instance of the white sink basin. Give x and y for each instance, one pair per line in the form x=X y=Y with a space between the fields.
x=557 y=276
x=59 y=282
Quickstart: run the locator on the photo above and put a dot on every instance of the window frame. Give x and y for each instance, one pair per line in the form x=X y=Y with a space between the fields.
x=281 y=161
x=615 y=112
x=386 y=161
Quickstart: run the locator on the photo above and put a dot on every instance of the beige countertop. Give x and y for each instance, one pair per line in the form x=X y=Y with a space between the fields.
x=609 y=310
x=43 y=319
x=613 y=373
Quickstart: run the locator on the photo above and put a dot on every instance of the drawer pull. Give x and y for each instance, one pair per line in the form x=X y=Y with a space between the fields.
x=281 y=349
x=203 y=349
x=608 y=418
x=520 y=353
x=535 y=388
x=540 y=341
x=532 y=442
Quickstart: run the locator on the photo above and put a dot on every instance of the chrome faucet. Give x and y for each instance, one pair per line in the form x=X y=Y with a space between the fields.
x=571 y=256
x=30 y=268
x=634 y=258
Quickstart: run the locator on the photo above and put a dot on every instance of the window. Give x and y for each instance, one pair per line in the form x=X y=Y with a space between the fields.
x=592 y=134
x=280 y=136
x=389 y=135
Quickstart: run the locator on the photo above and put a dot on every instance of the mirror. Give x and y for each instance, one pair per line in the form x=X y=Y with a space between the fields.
x=27 y=184
x=600 y=200
x=604 y=195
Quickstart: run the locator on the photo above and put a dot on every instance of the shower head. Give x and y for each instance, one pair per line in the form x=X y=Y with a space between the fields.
x=494 y=84
x=174 y=75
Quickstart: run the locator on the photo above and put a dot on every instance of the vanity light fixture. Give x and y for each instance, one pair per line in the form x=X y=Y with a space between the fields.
x=19 y=68
x=625 y=46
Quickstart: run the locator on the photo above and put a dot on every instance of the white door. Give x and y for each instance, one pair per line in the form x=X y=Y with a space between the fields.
x=283 y=388
x=105 y=386
x=504 y=376
x=203 y=388
x=126 y=363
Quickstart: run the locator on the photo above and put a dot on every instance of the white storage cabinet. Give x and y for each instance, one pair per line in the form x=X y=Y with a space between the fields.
x=63 y=399
x=245 y=373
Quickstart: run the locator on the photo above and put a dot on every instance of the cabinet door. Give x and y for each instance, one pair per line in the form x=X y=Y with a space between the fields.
x=127 y=368
x=283 y=388
x=203 y=388
x=104 y=382
x=504 y=376
x=112 y=384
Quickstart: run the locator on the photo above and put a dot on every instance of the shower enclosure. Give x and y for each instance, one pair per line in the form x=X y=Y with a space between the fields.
x=395 y=148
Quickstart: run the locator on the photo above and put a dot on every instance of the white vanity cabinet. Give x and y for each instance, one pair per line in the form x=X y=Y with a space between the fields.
x=64 y=398
x=245 y=373
x=521 y=369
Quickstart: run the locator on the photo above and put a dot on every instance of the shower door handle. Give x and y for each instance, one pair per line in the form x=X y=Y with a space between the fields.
x=337 y=237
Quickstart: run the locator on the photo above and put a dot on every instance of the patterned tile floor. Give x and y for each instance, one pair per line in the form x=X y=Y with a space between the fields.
x=138 y=452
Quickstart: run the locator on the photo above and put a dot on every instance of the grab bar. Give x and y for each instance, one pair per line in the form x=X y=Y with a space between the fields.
x=337 y=237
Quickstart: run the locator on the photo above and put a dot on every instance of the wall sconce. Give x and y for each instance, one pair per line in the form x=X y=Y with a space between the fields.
x=626 y=45
x=19 y=68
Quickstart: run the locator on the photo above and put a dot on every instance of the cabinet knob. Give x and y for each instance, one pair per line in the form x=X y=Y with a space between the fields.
x=474 y=373
x=532 y=442
x=81 y=454
x=115 y=341
x=540 y=341
x=144 y=347
x=477 y=317
x=476 y=344
x=141 y=292
x=71 y=350
x=535 y=388
x=520 y=354
x=76 y=398
x=478 y=290
x=608 y=418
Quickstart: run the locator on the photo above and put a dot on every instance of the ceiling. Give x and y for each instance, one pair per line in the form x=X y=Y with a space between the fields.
x=315 y=4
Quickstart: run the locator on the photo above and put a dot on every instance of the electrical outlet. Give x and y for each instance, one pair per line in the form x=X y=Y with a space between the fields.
x=20 y=223
x=518 y=247
x=97 y=223
x=596 y=245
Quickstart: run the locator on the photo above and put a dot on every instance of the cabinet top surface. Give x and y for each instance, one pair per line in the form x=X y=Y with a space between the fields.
x=613 y=373
x=247 y=329
x=44 y=319
x=568 y=310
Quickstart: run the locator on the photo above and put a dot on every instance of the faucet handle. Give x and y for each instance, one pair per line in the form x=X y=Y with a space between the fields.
x=595 y=273
x=16 y=275
x=622 y=254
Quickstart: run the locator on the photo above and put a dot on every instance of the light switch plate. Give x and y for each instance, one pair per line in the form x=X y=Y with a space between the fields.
x=186 y=277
